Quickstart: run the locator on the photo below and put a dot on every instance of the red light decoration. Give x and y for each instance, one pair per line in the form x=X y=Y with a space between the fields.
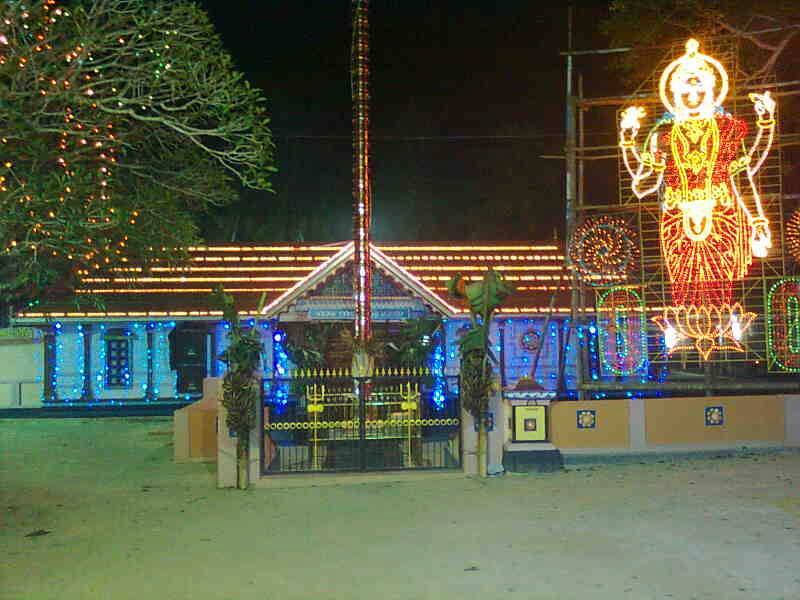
x=793 y=236
x=362 y=185
x=710 y=231
x=604 y=250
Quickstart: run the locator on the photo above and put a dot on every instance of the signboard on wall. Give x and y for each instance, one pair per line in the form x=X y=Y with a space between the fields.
x=345 y=314
x=530 y=423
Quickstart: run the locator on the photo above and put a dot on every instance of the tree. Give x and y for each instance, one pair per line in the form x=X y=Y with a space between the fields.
x=240 y=386
x=121 y=120
x=769 y=30
x=477 y=378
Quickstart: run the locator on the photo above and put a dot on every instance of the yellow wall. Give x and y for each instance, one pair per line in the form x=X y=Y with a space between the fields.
x=682 y=420
x=22 y=362
x=195 y=426
x=610 y=431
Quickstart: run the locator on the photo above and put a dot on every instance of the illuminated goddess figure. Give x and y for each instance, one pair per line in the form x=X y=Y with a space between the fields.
x=711 y=226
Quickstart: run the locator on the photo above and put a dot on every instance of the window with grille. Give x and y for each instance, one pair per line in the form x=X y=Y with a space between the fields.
x=118 y=361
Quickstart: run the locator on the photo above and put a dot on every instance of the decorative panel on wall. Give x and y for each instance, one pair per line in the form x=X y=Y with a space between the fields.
x=622 y=331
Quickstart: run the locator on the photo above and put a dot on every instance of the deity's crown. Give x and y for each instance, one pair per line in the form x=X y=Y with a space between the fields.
x=693 y=61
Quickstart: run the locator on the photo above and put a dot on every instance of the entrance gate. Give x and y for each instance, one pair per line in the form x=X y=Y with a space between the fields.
x=318 y=423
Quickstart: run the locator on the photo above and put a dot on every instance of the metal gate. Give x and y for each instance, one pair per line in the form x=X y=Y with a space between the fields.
x=318 y=422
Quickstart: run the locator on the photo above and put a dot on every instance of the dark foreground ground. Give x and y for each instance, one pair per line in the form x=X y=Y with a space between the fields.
x=96 y=509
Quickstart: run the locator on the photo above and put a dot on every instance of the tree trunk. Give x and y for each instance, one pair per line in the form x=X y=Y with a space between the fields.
x=482 y=445
x=242 y=466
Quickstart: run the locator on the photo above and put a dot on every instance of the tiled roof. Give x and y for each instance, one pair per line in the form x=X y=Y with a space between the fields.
x=248 y=271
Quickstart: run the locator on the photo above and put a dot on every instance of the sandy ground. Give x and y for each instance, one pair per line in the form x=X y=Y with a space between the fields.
x=124 y=522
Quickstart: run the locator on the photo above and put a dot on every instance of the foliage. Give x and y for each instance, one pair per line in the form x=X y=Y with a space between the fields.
x=375 y=347
x=240 y=387
x=411 y=346
x=769 y=30
x=307 y=349
x=121 y=119
x=483 y=299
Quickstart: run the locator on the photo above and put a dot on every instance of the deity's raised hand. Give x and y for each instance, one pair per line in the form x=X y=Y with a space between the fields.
x=764 y=104
x=630 y=123
x=760 y=238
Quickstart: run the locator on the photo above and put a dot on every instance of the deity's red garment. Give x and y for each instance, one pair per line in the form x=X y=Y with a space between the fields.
x=704 y=231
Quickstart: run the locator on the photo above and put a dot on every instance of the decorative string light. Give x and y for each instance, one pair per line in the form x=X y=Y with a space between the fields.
x=783 y=324
x=279 y=396
x=80 y=366
x=362 y=183
x=709 y=231
x=136 y=283
x=436 y=364
x=604 y=250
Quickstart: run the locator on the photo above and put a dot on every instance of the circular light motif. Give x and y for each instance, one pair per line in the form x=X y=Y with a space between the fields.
x=604 y=251
x=530 y=340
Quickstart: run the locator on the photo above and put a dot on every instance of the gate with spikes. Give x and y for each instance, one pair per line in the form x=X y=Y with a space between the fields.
x=315 y=421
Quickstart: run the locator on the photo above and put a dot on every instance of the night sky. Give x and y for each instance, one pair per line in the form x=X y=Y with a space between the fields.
x=467 y=97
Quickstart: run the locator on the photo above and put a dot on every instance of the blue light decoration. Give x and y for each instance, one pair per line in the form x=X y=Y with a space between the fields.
x=593 y=354
x=160 y=357
x=436 y=362
x=280 y=370
x=220 y=345
x=58 y=351
x=100 y=377
x=149 y=354
x=38 y=368
x=80 y=355
x=141 y=367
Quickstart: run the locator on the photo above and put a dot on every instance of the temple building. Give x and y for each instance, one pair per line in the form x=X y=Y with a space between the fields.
x=158 y=335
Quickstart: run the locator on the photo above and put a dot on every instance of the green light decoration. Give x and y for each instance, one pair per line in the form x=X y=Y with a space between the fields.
x=793 y=337
x=622 y=332
x=783 y=325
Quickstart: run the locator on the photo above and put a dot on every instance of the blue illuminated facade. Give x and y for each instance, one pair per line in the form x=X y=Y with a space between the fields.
x=99 y=360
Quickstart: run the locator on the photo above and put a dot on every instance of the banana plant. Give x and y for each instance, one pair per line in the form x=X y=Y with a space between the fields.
x=483 y=298
x=240 y=387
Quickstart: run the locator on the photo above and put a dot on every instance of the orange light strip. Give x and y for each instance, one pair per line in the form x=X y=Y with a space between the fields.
x=486 y=257
x=307 y=269
x=507 y=278
x=174 y=290
x=484 y=268
x=209 y=259
x=229 y=269
x=510 y=311
x=463 y=248
x=188 y=279
x=332 y=249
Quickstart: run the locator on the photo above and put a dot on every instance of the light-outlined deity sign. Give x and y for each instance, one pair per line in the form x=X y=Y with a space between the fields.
x=712 y=220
